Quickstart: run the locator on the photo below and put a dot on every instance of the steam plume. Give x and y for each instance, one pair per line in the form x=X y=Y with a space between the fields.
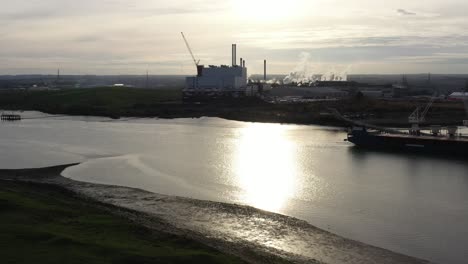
x=305 y=73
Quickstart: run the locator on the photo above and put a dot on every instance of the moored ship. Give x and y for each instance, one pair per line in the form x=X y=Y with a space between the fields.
x=451 y=143
x=432 y=139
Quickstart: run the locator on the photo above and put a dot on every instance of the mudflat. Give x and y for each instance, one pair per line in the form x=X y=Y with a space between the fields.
x=193 y=230
x=45 y=223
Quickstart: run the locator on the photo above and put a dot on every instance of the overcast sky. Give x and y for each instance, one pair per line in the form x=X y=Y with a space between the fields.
x=127 y=37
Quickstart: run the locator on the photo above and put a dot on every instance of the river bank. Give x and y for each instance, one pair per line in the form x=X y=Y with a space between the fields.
x=43 y=223
x=232 y=229
x=126 y=102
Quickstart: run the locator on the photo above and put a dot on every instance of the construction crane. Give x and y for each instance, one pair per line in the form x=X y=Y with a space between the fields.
x=190 y=50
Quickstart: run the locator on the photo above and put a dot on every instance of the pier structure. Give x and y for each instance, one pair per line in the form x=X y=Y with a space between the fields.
x=10 y=117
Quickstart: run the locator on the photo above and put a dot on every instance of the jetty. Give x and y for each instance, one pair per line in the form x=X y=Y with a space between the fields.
x=10 y=117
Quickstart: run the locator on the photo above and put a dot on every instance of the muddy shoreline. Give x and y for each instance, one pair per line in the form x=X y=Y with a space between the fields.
x=254 y=235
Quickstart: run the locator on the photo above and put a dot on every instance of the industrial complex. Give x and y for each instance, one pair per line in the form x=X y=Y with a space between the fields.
x=218 y=80
x=221 y=81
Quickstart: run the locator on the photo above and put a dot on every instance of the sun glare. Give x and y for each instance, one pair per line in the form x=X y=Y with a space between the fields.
x=264 y=10
x=265 y=166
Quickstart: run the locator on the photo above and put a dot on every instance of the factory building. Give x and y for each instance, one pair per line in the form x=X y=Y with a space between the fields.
x=458 y=96
x=231 y=79
x=218 y=81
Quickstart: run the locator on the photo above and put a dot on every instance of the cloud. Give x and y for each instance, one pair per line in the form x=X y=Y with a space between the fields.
x=404 y=12
x=121 y=35
x=27 y=15
x=350 y=36
x=436 y=57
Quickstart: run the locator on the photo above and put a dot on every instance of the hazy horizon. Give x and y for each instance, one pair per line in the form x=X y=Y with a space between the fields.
x=121 y=37
x=54 y=75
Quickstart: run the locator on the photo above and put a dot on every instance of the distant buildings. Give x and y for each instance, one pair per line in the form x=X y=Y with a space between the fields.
x=336 y=84
x=458 y=96
x=309 y=92
x=400 y=90
x=121 y=85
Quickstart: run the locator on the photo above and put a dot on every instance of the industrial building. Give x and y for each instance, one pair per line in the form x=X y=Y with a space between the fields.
x=217 y=81
x=459 y=96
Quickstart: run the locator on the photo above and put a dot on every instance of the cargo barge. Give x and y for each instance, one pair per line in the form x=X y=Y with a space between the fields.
x=451 y=144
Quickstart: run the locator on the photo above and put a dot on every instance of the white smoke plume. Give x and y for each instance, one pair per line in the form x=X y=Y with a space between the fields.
x=306 y=73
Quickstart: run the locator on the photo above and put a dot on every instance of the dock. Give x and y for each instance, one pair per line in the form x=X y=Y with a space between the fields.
x=339 y=116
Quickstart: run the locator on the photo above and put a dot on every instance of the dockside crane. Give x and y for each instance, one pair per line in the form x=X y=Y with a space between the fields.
x=419 y=116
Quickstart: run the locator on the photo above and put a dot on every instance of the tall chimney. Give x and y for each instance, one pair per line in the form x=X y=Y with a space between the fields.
x=199 y=70
x=234 y=54
x=240 y=62
x=243 y=63
x=264 y=70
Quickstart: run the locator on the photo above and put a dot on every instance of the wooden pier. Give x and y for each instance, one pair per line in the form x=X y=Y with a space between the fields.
x=10 y=117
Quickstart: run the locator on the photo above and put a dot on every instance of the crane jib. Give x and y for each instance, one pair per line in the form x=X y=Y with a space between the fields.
x=190 y=50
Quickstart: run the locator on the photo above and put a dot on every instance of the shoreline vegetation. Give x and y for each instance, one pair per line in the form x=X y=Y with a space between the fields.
x=47 y=218
x=167 y=103
x=46 y=223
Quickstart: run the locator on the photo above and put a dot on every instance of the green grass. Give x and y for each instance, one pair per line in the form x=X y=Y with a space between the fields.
x=95 y=101
x=45 y=224
x=167 y=103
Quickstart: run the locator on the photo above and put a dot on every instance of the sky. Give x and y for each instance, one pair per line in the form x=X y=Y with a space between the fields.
x=131 y=36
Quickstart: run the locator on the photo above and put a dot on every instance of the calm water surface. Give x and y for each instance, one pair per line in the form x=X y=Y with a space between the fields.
x=411 y=204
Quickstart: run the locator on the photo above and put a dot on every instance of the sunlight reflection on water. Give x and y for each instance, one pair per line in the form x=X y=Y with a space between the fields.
x=412 y=204
x=266 y=167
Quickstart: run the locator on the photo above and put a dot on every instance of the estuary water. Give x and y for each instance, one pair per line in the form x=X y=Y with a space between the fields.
x=412 y=204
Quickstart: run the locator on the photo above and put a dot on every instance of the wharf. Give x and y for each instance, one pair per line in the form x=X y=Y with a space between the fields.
x=10 y=117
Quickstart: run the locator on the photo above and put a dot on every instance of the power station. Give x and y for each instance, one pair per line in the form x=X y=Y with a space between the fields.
x=217 y=81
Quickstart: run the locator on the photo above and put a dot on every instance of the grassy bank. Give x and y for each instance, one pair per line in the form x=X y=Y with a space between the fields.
x=46 y=224
x=119 y=102
x=100 y=101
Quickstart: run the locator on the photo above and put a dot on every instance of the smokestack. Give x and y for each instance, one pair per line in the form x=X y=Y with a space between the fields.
x=243 y=63
x=234 y=54
x=240 y=62
x=264 y=70
x=147 y=80
x=199 y=70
